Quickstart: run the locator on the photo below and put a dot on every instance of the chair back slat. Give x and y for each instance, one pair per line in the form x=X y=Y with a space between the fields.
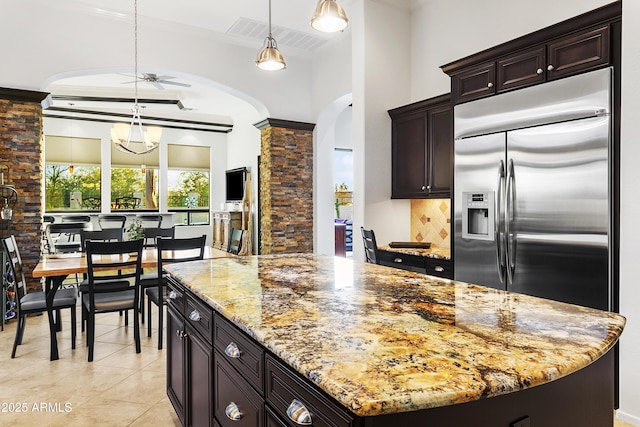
x=117 y=263
x=15 y=271
x=370 y=246
x=104 y=235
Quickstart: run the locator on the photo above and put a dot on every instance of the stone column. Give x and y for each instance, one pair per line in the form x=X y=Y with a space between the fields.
x=286 y=187
x=21 y=152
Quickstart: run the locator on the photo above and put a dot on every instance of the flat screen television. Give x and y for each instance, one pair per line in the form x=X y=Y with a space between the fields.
x=235 y=184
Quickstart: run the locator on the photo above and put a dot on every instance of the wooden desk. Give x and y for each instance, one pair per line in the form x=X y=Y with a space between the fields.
x=55 y=268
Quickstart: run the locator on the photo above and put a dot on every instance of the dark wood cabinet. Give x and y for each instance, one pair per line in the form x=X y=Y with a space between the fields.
x=580 y=44
x=578 y=53
x=421 y=149
x=418 y=264
x=189 y=360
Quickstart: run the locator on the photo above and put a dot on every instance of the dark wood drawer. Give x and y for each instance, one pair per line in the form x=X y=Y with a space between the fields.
x=176 y=295
x=439 y=267
x=200 y=317
x=240 y=351
x=403 y=261
x=234 y=396
x=285 y=388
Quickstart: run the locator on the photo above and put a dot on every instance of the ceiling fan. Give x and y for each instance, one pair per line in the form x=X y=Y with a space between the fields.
x=158 y=81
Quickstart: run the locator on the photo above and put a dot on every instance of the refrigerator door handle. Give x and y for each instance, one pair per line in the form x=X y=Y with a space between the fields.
x=499 y=225
x=509 y=218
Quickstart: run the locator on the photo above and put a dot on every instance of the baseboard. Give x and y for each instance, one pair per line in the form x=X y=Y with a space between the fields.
x=627 y=418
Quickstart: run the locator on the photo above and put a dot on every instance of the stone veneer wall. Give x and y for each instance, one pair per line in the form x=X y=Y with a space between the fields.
x=286 y=187
x=21 y=152
x=431 y=222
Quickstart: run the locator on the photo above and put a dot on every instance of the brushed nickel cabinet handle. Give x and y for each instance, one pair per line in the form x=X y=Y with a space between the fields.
x=550 y=68
x=490 y=84
x=439 y=269
x=233 y=351
x=195 y=316
x=398 y=260
x=233 y=412
x=539 y=71
x=173 y=295
x=299 y=414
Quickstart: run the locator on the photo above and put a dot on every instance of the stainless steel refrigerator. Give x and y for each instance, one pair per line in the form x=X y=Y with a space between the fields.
x=532 y=198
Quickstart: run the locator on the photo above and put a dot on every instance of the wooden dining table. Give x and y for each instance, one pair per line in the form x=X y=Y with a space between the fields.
x=56 y=267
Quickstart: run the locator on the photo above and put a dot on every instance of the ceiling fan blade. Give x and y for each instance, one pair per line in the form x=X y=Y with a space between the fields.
x=157 y=85
x=132 y=81
x=164 y=82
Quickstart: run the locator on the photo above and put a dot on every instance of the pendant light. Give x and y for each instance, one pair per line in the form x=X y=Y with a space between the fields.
x=329 y=17
x=270 y=58
x=121 y=132
x=72 y=168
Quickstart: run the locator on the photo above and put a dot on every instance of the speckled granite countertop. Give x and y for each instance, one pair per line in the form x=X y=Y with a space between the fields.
x=383 y=340
x=432 y=252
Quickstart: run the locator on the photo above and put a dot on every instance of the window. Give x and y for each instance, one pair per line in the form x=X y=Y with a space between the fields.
x=188 y=184
x=134 y=180
x=72 y=174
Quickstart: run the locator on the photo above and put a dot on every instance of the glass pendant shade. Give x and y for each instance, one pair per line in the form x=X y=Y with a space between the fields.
x=72 y=168
x=329 y=17
x=270 y=58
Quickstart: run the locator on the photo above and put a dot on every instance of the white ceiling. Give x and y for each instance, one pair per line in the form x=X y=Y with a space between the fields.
x=242 y=22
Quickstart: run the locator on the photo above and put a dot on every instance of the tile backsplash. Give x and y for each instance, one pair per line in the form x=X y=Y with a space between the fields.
x=431 y=222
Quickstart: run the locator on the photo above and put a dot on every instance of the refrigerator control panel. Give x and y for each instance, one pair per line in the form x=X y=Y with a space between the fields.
x=478 y=215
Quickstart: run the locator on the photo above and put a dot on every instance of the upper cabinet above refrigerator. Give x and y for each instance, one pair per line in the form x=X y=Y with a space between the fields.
x=422 y=149
x=580 y=44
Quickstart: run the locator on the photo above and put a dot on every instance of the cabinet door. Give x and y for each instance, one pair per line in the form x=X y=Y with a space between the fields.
x=578 y=53
x=408 y=156
x=475 y=82
x=440 y=147
x=199 y=380
x=175 y=362
x=521 y=70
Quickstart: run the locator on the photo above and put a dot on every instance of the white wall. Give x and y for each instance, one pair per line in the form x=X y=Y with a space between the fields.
x=629 y=207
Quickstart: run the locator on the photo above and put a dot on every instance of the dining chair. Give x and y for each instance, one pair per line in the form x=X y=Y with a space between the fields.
x=170 y=251
x=235 y=241
x=113 y=273
x=150 y=220
x=105 y=235
x=370 y=246
x=34 y=302
x=58 y=244
x=151 y=235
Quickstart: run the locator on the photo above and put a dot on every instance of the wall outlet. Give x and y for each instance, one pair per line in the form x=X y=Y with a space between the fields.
x=524 y=422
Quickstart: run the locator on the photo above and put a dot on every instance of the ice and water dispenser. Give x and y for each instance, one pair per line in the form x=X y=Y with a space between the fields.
x=478 y=215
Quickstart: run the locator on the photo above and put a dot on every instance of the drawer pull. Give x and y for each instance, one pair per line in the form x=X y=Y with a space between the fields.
x=439 y=268
x=233 y=351
x=180 y=334
x=173 y=295
x=398 y=260
x=233 y=412
x=299 y=414
x=195 y=316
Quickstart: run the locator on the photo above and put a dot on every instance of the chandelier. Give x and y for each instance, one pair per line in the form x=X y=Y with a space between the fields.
x=121 y=132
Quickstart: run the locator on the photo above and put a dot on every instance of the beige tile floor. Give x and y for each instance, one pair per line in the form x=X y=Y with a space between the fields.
x=119 y=388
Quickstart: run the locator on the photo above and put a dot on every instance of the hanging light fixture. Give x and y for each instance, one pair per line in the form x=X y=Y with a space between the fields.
x=329 y=17
x=121 y=132
x=72 y=168
x=270 y=58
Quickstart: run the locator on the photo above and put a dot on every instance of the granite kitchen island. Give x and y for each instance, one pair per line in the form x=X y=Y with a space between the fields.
x=349 y=343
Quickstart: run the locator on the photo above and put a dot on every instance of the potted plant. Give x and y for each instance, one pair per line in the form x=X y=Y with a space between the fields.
x=135 y=231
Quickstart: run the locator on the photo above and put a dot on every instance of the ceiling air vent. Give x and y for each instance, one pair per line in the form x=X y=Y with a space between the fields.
x=285 y=36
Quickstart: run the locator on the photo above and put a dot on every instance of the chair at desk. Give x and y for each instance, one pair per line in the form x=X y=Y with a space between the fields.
x=34 y=302
x=113 y=284
x=112 y=221
x=370 y=246
x=170 y=251
x=235 y=241
x=46 y=244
